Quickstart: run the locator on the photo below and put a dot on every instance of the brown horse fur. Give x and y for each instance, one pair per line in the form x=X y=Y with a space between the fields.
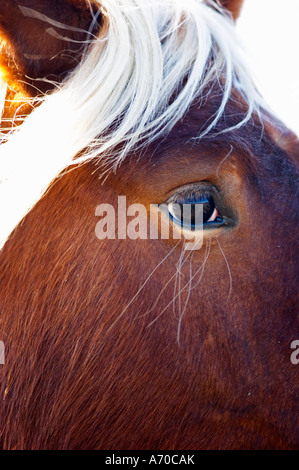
x=80 y=376
x=233 y=6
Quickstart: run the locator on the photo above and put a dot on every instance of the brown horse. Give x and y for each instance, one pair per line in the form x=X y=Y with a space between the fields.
x=138 y=343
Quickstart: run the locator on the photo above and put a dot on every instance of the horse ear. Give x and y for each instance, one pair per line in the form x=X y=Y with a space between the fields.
x=233 y=6
x=42 y=39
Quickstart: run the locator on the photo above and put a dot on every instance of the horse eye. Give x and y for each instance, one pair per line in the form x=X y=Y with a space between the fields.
x=188 y=213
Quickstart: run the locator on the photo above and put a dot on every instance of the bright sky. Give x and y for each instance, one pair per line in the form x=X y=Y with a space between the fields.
x=270 y=34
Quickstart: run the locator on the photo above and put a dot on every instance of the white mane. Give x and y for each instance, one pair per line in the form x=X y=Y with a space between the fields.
x=135 y=83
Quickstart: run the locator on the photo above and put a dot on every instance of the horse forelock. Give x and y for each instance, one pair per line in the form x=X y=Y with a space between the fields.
x=107 y=106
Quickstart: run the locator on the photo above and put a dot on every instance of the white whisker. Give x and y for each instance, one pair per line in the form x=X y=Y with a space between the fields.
x=224 y=159
x=140 y=289
x=182 y=290
x=229 y=272
x=186 y=302
x=178 y=279
x=202 y=267
x=166 y=285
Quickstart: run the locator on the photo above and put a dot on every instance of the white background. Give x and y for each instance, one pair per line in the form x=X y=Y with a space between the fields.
x=269 y=31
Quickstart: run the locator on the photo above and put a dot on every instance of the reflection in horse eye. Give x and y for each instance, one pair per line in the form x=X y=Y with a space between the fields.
x=191 y=216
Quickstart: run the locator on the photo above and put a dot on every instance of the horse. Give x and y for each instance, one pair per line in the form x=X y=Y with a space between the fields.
x=136 y=343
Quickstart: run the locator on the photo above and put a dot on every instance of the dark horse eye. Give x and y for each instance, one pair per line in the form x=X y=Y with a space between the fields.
x=188 y=213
